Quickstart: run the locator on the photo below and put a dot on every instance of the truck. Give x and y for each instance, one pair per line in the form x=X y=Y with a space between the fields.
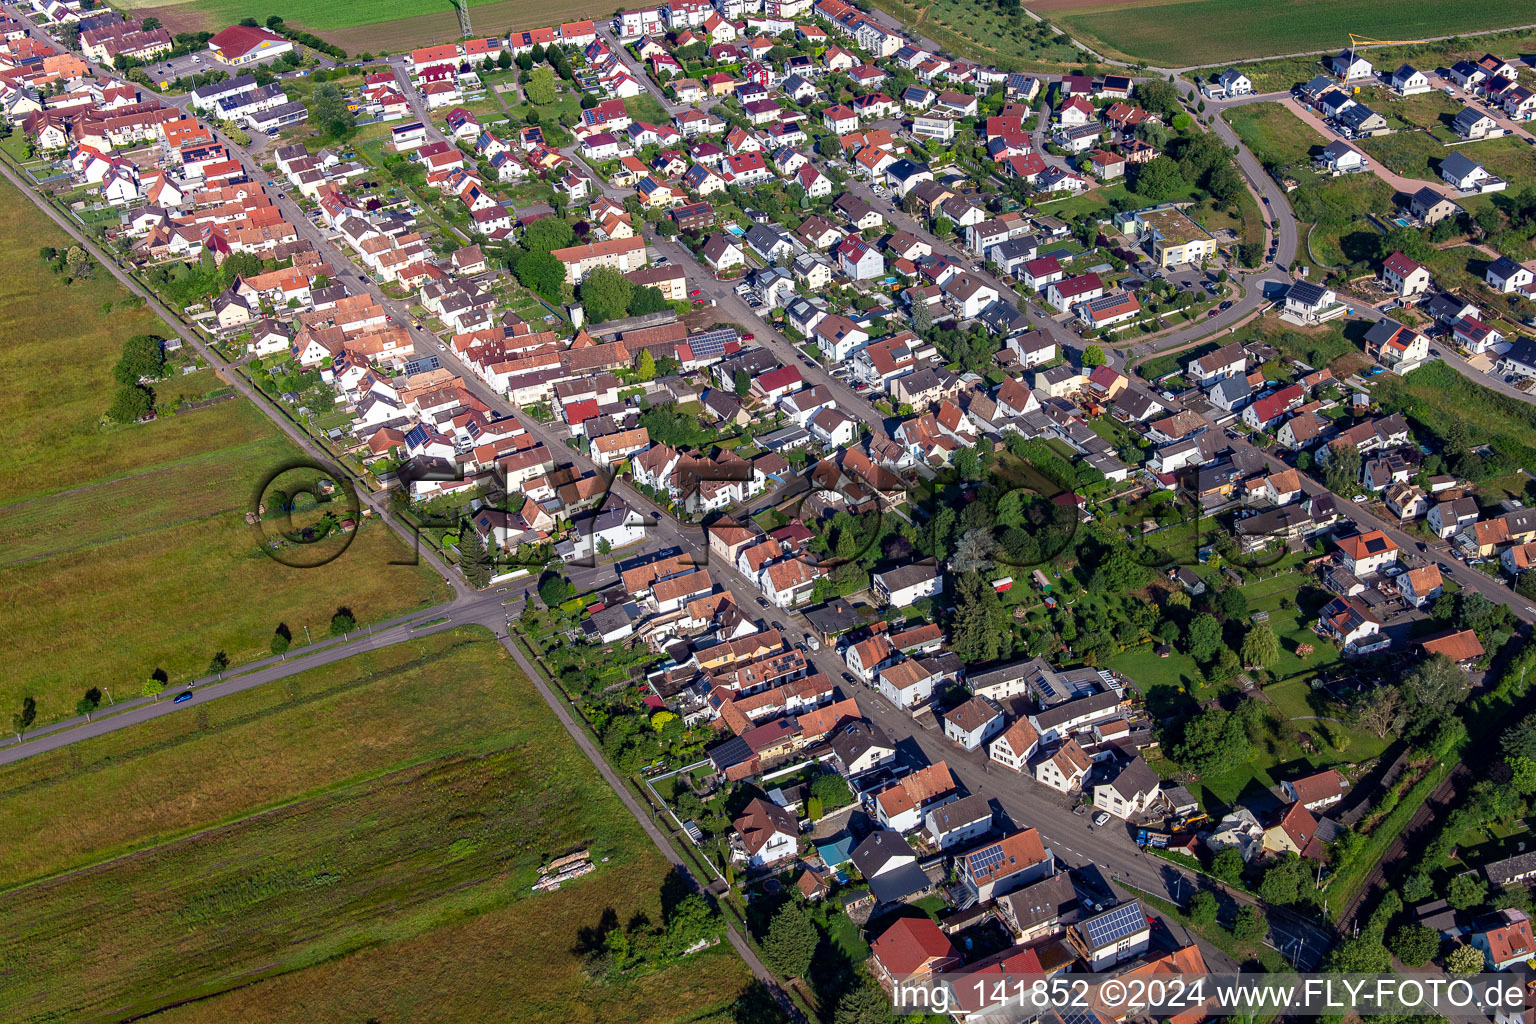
x=1156 y=840
x=811 y=642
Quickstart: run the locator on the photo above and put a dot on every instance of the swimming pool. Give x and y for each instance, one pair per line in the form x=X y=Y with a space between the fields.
x=735 y=230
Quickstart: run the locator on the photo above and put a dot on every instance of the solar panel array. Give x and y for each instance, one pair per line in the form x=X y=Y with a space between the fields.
x=421 y=365
x=711 y=343
x=1114 y=925
x=983 y=861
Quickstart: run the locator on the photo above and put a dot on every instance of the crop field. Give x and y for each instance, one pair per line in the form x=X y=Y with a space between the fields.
x=265 y=746
x=98 y=524
x=983 y=32
x=393 y=798
x=1186 y=33
x=376 y=25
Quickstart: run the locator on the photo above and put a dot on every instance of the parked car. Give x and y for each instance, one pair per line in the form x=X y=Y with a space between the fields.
x=1101 y=818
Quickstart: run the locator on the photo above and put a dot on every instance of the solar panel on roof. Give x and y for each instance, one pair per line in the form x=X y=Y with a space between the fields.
x=983 y=861
x=421 y=365
x=1114 y=925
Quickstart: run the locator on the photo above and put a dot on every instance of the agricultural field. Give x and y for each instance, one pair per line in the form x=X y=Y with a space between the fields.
x=99 y=522
x=984 y=32
x=303 y=855
x=377 y=25
x=1160 y=33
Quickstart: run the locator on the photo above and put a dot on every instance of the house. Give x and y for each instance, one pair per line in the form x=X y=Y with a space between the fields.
x=1312 y=303
x=1218 y=365
x=1505 y=275
x=910 y=951
x=1467 y=175
x=973 y=723
x=1348 y=621
x=907 y=684
x=722 y=253
x=1015 y=745
x=1365 y=554
x=1295 y=831
x=1408 y=81
x=1449 y=518
x=903 y=586
x=1128 y=789
x=1402 y=276
x=1036 y=910
x=1232 y=82
x=860 y=747
x=1505 y=939
x=1340 y=157
x=1065 y=769
x=1065 y=294
x=1349 y=66
x=1472 y=123
x=1512 y=871
x=1112 y=937
x=888 y=864
x=860 y=260
x=1419 y=587
x=1395 y=346
x=1316 y=791
x=1430 y=207
x=1010 y=863
x=903 y=805
x=767 y=834
x=957 y=823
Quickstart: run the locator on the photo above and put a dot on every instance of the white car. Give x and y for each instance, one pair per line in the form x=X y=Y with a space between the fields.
x=1101 y=818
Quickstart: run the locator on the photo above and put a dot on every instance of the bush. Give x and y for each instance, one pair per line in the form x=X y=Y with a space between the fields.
x=1415 y=945
x=1201 y=908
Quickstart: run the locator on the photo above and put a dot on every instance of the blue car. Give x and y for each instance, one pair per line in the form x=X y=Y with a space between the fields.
x=183 y=696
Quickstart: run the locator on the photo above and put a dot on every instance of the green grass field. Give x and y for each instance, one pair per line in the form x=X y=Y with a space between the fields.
x=1418 y=155
x=1197 y=32
x=1277 y=137
x=125 y=549
x=382 y=806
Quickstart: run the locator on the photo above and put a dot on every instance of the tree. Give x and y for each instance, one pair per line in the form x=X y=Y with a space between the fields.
x=282 y=639
x=1466 y=891
x=864 y=1003
x=1342 y=474
x=87 y=705
x=1433 y=687
x=218 y=663
x=922 y=318
x=980 y=626
x=649 y=299
x=554 y=590
x=548 y=233
x=605 y=295
x=1202 y=908
x=22 y=720
x=832 y=790
x=143 y=358
x=741 y=383
x=1466 y=960
x=130 y=404
x=328 y=110
x=342 y=622
x=1093 y=355
x=540 y=89
x=790 y=944
x=1159 y=179
x=1260 y=647
x=78 y=261
x=152 y=688
x=1363 y=954
x=1228 y=865
x=1203 y=640
x=1415 y=945
x=474 y=560
x=691 y=921
x=1249 y=923
x=645 y=369
x=1382 y=710
x=504 y=60
x=542 y=274
x=1214 y=742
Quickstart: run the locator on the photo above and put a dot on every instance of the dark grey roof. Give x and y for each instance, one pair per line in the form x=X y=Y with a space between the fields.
x=878 y=849
x=1050 y=718
x=1307 y=293
x=959 y=813
x=906 y=575
x=732 y=752
x=1501 y=871
x=855 y=739
x=1043 y=901
x=1133 y=777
